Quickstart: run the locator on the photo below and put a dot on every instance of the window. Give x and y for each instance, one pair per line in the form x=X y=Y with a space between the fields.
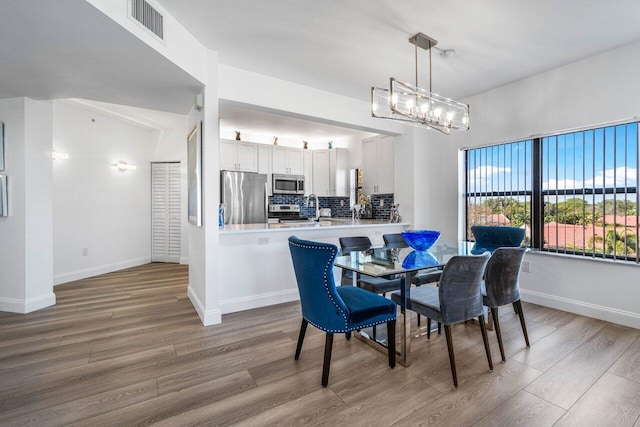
x=499 y=185
x=575 y=193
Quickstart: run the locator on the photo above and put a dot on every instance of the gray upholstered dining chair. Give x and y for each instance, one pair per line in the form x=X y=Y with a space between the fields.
x=458 y=298
x=501 y=287
x=378 y=285
x=335 y=309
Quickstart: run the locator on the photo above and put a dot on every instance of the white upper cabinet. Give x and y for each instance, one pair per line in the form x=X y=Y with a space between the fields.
x=321 y=181
x=264 y=164
x=331 y=172
x=307 y=157
x=238 y=156
x=377 y=165
x=287 y=160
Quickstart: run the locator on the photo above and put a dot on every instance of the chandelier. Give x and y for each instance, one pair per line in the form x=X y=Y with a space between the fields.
x=418 y=106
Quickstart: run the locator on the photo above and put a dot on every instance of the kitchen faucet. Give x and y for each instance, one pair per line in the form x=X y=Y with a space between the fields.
x=317 y=202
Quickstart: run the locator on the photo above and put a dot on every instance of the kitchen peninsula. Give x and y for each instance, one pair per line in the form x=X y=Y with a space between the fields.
x=255 y=267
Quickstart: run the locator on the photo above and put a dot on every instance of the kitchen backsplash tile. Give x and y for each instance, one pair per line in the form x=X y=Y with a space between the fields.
x=337 y=210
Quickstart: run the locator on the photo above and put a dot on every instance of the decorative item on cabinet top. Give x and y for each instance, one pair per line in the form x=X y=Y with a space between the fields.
x=237 y=135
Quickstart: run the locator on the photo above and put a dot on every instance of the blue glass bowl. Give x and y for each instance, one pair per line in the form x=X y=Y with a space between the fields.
x=421 y=240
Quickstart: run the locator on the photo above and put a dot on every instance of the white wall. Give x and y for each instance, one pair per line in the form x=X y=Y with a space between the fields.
x=26 y=263
x=95 y=205
x=179 y=45
x=592 y=91
x=204 y=283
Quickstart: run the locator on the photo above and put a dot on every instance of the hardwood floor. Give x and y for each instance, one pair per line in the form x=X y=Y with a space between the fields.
x=127 y=348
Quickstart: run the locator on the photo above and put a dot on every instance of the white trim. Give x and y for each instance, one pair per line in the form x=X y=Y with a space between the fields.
x=608 y=314
x=184 y=260
x=256 y=301
x=211 y=317
x=27 y=306
x=98 y=270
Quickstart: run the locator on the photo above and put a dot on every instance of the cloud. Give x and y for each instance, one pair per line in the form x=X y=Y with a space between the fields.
x=608 y=178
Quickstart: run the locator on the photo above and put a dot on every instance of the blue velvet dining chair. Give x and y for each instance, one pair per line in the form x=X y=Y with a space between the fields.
x=501 y=287
x=335 y=309
x=489 y=238
x=457 y=298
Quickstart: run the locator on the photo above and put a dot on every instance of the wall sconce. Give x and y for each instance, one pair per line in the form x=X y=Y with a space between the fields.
x=56 y=155
x=124 y=166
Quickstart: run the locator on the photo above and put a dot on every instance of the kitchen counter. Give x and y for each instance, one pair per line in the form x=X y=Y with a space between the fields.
x=327 y=223
x=254 y=262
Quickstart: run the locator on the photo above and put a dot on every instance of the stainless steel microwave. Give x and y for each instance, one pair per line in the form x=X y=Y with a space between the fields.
x=288 y=184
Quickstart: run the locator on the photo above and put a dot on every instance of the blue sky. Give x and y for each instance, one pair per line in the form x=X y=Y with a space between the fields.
x=609 y=155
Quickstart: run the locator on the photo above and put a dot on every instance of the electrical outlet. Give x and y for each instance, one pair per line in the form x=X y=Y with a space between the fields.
x=263 y=241
x=85 y=251
x=381 y=203
x=525 y=267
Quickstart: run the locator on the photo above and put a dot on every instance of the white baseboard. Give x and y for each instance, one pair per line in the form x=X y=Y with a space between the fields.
x=27 y=306
x=208 y=318
x=98 y=270
x=256 y=301
x=613 y=315
x=184 y=260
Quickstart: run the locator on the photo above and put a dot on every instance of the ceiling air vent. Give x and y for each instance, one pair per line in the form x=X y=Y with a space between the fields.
x=149 y=17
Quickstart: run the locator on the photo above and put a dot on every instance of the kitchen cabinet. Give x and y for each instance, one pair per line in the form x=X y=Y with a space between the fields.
x=377 y=165
x=264 y=165
x=307 y=158
x=331 y=172
x=238 y=156
x=287 y=160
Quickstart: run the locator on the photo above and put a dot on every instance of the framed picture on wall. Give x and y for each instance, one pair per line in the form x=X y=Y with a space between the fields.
x=1 y=146
x=194 y=175
x=4 y=208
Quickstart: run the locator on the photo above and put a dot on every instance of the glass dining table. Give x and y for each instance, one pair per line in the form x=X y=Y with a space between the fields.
x=404 y=263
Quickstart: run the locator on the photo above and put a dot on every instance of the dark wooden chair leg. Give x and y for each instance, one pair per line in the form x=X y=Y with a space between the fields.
x=303 y=330
x=439 y=329
x=374 y=333
x=328 y=344
x=428 y=328
x=496 y=325
x=518 y=305
x=391 y=342
x=452 y=359
x=348 y=335
x=485 y=338
x=418 y=320
x=515 y=308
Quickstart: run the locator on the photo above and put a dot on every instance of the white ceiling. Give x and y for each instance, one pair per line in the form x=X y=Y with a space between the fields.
x=348 y=46
x=68 y=49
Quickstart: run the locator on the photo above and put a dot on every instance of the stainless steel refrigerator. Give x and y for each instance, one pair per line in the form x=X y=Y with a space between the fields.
x=245 y=197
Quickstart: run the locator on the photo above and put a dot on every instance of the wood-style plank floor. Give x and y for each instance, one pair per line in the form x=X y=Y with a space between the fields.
x=127 y=348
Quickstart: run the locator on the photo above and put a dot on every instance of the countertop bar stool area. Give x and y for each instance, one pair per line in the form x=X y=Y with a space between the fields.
x=335 y=309
x=457 y=298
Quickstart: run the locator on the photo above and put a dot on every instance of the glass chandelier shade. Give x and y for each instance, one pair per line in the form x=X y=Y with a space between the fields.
x=408 y=103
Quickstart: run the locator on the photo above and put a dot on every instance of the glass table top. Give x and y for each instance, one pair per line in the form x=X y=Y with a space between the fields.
x=382 y=261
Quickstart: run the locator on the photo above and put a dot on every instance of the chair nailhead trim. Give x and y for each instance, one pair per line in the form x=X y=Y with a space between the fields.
x=325 y=276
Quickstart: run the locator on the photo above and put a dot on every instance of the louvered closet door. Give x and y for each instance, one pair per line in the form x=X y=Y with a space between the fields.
x=165 y=212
